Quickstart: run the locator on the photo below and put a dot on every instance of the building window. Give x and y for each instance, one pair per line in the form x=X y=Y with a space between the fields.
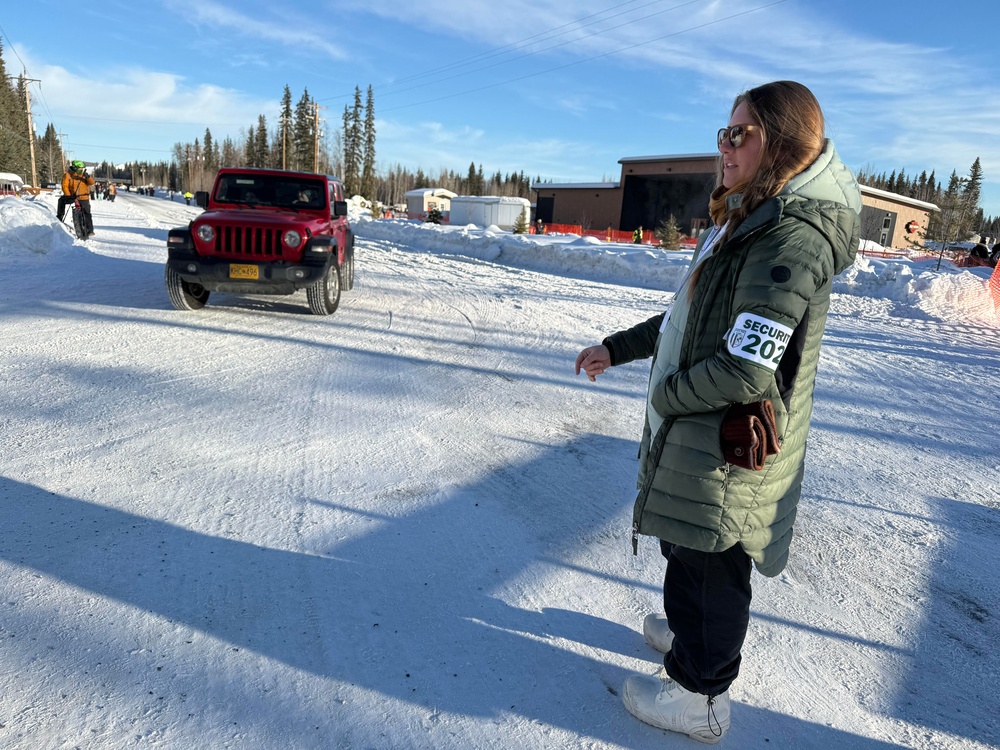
x=886 y=222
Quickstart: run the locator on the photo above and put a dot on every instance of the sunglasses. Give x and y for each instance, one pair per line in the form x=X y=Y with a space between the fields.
x=735 y=134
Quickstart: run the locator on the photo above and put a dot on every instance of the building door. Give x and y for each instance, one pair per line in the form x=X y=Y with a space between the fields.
x=544 y=208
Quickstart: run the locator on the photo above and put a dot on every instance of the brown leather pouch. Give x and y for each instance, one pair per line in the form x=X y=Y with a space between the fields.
x=749 y=434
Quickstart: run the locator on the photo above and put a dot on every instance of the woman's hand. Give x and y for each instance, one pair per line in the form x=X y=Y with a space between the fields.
x=593 y=361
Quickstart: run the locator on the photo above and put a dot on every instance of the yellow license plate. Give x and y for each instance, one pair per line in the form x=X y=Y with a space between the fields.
x=244 y=271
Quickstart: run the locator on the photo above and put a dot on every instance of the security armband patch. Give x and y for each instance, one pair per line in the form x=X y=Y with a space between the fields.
x=758 y=339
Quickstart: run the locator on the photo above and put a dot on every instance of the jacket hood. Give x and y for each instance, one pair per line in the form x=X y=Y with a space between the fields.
x=827 y=179
x=809 y=195
x=824 y=195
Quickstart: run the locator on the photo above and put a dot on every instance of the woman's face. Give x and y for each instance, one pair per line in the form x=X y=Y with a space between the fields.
x=740 y=164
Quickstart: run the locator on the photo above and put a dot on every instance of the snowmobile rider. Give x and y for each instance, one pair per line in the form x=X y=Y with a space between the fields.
x=76 y=184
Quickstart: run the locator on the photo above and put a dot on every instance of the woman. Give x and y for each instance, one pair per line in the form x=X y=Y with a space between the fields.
x=730 y=395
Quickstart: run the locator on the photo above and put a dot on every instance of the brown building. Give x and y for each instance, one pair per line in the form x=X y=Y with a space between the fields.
x=893 y=220
x=652 y=188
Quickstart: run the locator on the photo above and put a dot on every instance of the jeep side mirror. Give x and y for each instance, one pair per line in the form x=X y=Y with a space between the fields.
x=201 y=198
x=340 y=208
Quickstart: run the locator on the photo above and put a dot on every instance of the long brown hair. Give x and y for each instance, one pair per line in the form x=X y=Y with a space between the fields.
x=791 y=122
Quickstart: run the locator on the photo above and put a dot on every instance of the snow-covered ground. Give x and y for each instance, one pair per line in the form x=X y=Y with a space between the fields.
x=406 y=525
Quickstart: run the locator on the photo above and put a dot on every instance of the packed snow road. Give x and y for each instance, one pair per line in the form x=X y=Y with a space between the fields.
x=406 y=525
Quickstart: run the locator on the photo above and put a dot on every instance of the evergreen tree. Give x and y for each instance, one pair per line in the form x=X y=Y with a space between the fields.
x=285 y=126
x=261 y=147
x=357 y=131
x=303 y=135
x=668 y=234
x=250 y=148
x=972 y=191
x=521 y=225
x=368 y=178
x=470 y=180
x=14 y=146
x=353 y=146
x=211 y=154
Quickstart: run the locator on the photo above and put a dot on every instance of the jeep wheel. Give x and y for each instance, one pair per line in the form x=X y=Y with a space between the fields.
x=324 y=295
x=184 y=295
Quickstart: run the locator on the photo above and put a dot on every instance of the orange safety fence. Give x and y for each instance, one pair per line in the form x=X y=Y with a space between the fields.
x=617 y=235
x=608 y=235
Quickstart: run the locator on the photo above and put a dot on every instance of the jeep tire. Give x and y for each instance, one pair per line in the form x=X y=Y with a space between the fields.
x=184 y=295
x=324 y=295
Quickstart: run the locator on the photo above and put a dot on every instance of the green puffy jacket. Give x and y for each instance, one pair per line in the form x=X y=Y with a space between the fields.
x=753 y=332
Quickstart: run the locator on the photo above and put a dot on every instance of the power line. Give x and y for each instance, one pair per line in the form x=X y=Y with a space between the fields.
x=122 y=148
x=152 y=122
x=12 y=49
x=583 y=60
x=546 y=49
x=521 y=44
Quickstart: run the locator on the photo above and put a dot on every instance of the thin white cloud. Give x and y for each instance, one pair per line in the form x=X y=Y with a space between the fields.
x=131 y=93
x=286 y=28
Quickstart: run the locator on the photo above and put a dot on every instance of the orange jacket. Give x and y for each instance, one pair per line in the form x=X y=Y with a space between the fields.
x=77 y=186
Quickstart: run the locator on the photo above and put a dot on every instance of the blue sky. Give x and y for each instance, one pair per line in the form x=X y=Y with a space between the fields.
x=560 y=90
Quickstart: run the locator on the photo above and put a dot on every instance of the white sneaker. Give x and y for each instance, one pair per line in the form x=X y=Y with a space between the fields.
x=657 y=633
x=665 y=704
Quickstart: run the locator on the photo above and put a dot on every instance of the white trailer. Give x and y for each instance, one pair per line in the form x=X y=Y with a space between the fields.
x=484 y=210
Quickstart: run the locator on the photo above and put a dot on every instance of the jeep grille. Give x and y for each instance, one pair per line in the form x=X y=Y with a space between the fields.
x=253 y=241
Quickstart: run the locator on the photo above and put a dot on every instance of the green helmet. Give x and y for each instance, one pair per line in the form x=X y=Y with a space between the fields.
x=77 y=166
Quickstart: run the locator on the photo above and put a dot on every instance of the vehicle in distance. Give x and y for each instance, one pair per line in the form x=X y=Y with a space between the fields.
x=264 y=231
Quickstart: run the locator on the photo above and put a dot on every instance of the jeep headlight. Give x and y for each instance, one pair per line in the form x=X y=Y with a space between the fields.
x=292 y=238
x=205 y=233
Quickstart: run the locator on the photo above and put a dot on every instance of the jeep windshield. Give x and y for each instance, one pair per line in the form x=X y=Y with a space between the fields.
x=271 y=190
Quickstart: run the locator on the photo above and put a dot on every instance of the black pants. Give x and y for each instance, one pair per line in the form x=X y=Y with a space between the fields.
x=706 y=597
x=64 y=200
x=67 y=200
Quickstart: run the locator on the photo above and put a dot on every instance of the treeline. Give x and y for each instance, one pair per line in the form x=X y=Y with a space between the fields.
x=960 y=216
x=15 y=148
x=297 y=142
x=397 y=180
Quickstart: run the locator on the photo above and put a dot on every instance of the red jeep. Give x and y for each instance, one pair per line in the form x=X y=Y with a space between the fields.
x=264 y=231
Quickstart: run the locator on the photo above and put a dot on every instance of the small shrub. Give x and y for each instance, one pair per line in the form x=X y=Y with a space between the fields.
x=668 y=234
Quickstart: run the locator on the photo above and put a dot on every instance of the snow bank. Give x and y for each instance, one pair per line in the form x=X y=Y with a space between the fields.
x=567 y=255
x=960 y=294
x=28 y=227
x=916 y=288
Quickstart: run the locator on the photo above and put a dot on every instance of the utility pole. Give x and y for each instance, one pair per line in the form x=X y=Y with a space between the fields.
x=31 y=129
